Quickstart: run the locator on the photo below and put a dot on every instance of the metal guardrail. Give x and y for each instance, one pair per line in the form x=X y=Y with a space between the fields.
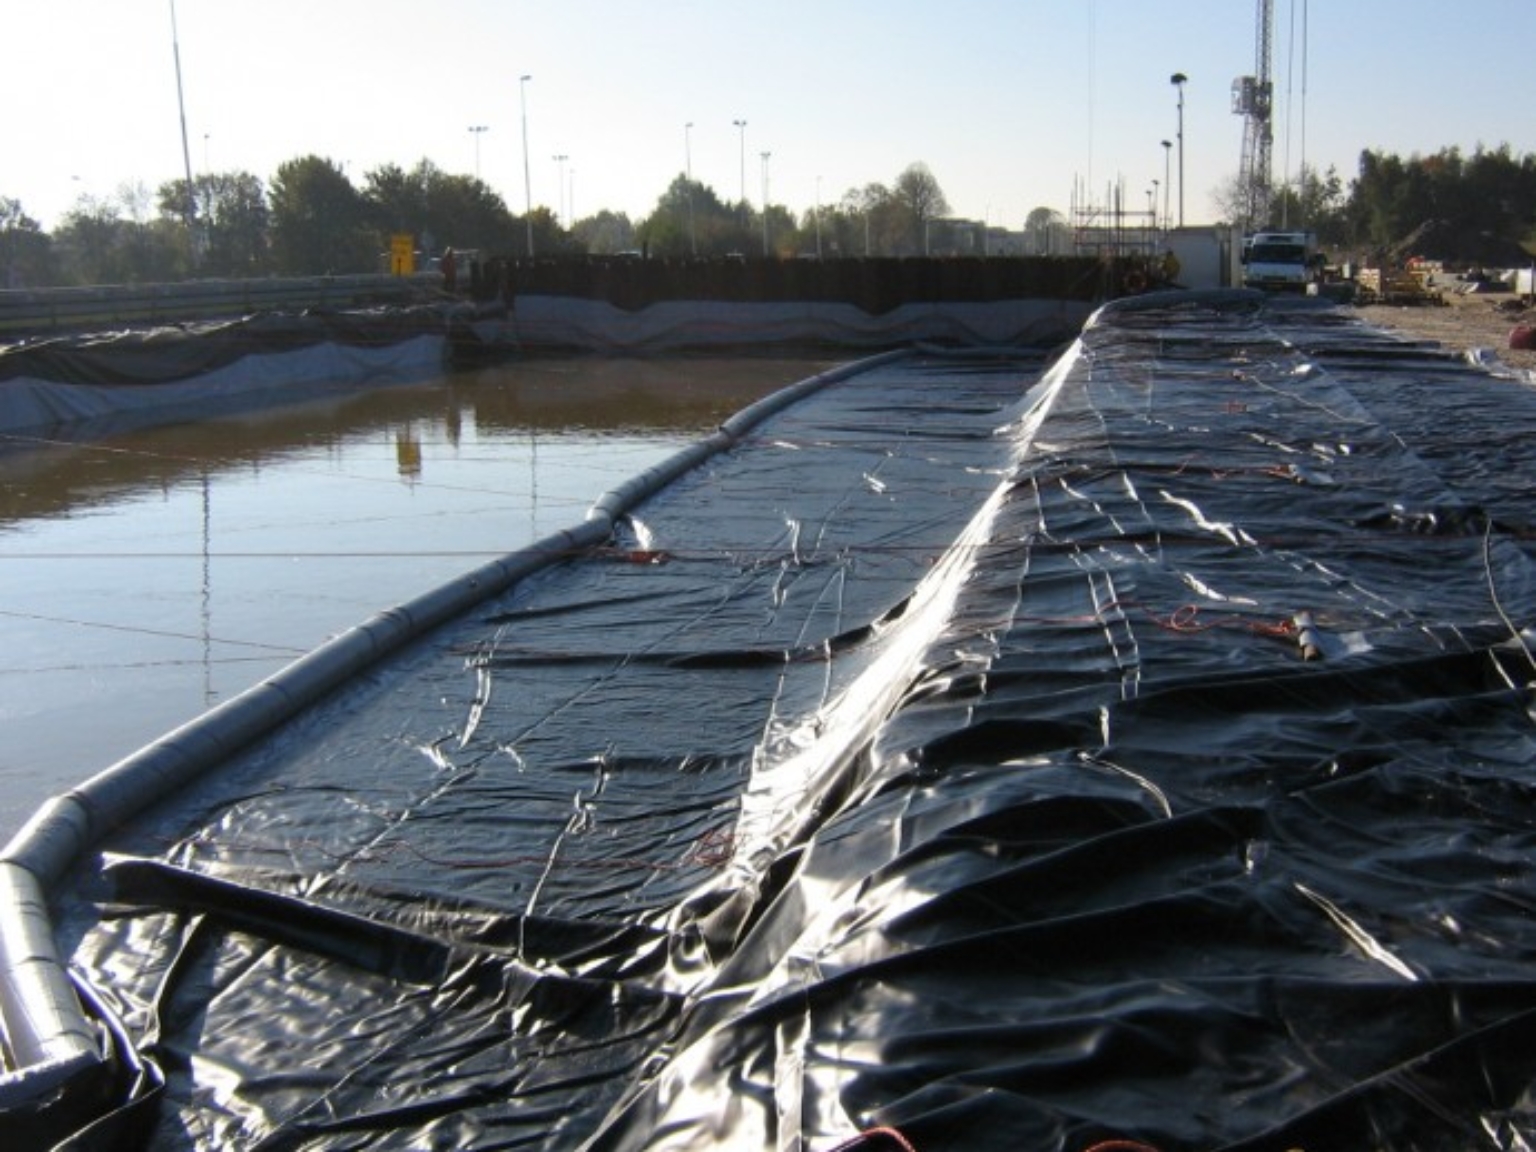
x=50 y=311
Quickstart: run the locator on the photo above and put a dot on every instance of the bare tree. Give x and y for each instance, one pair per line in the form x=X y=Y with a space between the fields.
x=1046 y=232
x=919 y=194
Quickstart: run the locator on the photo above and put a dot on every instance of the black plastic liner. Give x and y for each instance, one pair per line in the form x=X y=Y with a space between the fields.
x=179 y=352
x=1001 y=758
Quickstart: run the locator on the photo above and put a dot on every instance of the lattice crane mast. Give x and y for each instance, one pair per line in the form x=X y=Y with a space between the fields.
x=1253 y=100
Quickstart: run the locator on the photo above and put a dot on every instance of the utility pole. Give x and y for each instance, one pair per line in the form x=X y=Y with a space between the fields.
x=1178 y=80
x=476 y=130
x=766 y=156
x=693 y=235
x=186 y=154
x=522 y=85
x=741 y=128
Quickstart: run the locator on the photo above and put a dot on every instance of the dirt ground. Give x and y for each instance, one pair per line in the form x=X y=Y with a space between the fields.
x=1464 y=321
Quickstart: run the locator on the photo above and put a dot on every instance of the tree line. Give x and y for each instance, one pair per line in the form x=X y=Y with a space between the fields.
x=311 y=219
x=1487 y=199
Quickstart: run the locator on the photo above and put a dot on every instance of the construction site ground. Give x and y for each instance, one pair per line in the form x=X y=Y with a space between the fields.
x=1462 y=321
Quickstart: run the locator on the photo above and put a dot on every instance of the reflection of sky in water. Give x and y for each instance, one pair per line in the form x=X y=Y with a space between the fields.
x=147 y=575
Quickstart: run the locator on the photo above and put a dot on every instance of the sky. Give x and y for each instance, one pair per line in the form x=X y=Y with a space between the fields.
x=1012 y=104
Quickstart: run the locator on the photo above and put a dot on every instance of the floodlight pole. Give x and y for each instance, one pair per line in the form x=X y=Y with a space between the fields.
x=477 y=129
x=186 y=154
x=1167 y=183
x=766 y=157
x=1178 y=80
x=522 y=85
x=741 y=128
x=693 y=235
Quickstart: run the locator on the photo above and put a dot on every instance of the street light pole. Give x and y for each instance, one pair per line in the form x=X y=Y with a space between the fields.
x=186 y=155
x=1167 y=183
x=741 y=128
x=560 y=160
x=765 y=155
x=522 y=85
x=693 y=236
x=1178 y=80
x=476 y=130
x=818 y=217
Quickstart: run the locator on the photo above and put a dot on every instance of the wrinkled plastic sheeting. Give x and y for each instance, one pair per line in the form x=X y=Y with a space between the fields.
x=160 y=373
x=177 y=352
x=1011 y=759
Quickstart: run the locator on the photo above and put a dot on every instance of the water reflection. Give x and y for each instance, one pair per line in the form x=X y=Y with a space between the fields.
x=408 y=452
x=48 y=473
x=150 y=572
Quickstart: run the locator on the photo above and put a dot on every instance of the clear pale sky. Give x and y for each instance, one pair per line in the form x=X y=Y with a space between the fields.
x=1011 y=103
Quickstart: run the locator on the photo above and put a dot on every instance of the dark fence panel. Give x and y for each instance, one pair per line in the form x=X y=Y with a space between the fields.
x=875 y=285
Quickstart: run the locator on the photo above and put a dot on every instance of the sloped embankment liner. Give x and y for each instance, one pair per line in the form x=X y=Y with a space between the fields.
x=1209 y=819
x=166 y=372
x=999 y=757
x=48 y=382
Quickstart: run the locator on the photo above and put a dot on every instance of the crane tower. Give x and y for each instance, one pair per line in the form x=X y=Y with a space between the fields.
x=1253 y=100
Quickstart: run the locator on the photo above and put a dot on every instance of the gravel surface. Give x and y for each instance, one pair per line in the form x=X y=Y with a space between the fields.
x=1464 y=321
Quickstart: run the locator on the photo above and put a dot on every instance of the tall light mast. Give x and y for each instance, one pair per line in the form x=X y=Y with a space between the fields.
x=186 y=155
x=1253 y=99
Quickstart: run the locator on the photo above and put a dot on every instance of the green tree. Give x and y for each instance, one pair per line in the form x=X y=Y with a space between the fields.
x=26 y=251
x=783 y=236
x=605 y=234
x=1370 y=198
x=112 y=241
x=1501 y=191
x=690 y=217
x=88 y=241
x=883 y=224
x=320 y=223
x=1317 y=204
x=671 y=230
x=1491 y=193
x=440 y=210
x=467 y=214
x=232 y=221
x=396 y=199
x=817 y=231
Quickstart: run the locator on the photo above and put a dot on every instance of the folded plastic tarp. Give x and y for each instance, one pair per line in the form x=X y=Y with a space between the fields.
x=167 y=372
x=975 y=756
x=164 y=354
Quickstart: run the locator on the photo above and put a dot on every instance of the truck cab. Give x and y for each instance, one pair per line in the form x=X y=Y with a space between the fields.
x=1281 y=261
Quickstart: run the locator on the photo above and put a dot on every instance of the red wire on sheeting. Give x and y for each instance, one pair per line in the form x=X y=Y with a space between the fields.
x=866 y=1139
x=1186 y=618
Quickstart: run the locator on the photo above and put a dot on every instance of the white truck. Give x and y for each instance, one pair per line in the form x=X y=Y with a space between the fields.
x=1281 y=261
